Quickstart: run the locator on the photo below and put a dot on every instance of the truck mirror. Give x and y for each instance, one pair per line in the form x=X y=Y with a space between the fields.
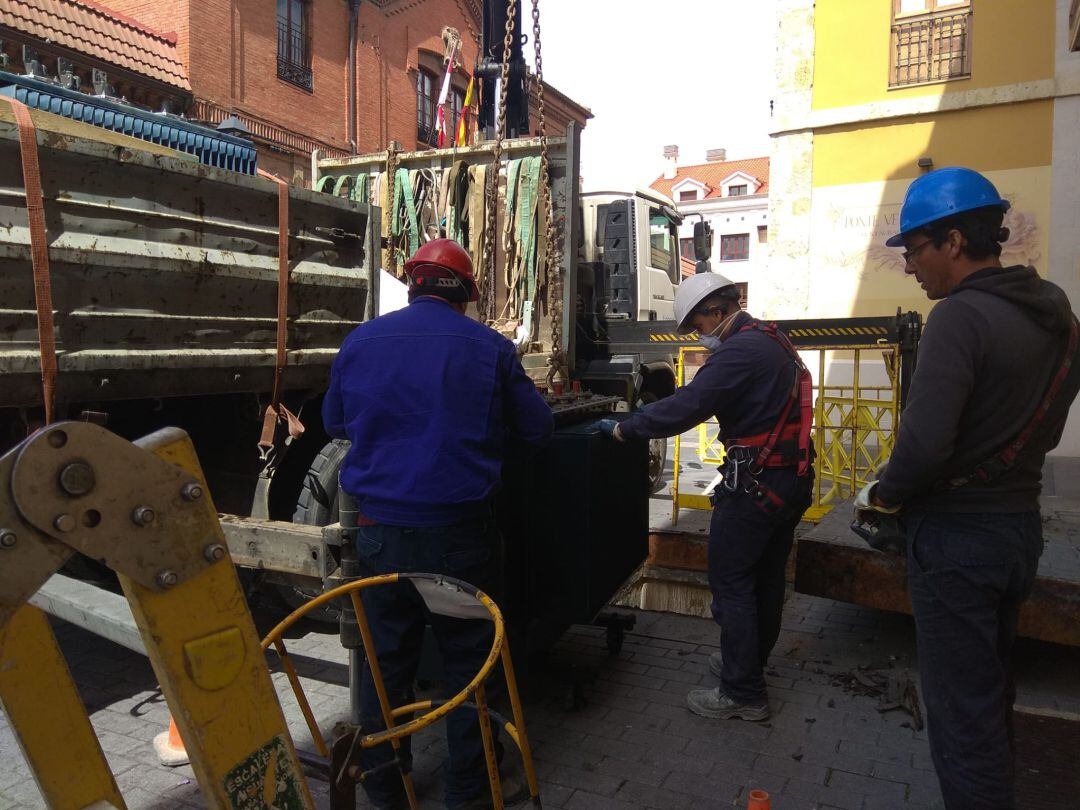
x=702 y=240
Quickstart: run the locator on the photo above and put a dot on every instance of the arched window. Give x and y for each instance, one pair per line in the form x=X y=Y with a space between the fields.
x=294 y=42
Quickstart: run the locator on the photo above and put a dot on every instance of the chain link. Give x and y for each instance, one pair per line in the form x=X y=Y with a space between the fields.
x=487 y=294
x=389 y=213
x=552 y=269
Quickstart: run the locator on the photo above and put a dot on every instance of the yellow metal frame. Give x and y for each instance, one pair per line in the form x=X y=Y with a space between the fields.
x=433 y=710
x=854 y=429
x=196 y=627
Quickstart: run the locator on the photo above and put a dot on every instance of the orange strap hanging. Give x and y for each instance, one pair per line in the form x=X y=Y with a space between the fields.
x=39 y=252
x=275 y=410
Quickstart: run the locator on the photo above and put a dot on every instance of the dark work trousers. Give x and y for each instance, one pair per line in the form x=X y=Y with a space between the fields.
x=397 y=615
x=748 y=550
x=967 y=576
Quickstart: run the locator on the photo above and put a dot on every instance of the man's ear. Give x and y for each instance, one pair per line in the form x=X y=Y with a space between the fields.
x=956 y=244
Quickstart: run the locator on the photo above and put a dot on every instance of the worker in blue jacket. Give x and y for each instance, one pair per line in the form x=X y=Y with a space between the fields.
x=431 y=401
x=759 y=391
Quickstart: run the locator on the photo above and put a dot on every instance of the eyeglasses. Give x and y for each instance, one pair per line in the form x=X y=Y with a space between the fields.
x=911 y=254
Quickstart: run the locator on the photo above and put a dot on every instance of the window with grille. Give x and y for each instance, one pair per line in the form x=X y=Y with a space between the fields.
x=294 y=43
x=428 y=87
x=686 y=248
x=736 y=191
x=735 y=247
x=425 y=107
x=931 y=41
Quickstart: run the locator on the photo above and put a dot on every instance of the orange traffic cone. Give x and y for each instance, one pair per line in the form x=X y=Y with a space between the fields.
x=170 y=748
x=759 y=800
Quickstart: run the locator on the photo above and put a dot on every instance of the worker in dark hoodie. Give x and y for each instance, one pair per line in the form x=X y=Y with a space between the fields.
x=991 y=353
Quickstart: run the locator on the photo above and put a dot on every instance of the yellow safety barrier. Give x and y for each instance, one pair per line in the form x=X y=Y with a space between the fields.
x=443 y=595
x=854 y=428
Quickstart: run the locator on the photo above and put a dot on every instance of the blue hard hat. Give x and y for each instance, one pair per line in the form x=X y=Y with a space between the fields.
x=942 y=193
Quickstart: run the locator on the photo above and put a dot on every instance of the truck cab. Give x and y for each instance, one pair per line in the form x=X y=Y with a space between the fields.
x=634 y=238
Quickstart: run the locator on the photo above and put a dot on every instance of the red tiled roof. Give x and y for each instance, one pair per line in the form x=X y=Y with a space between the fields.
x=712 y=174
x=95 y=30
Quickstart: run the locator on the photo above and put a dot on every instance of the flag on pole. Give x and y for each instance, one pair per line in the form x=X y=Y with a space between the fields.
x=462 y=133
x=440 y=120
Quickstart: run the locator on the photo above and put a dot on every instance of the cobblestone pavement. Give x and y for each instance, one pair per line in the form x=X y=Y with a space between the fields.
x=632 y=743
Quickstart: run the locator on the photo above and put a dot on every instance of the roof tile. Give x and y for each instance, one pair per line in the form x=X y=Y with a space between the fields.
x=713 y=174
x=95 y=30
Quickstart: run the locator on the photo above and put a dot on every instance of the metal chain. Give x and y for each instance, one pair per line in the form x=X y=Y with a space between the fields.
x=389 y=213
x=487 y=302
x=552 y=269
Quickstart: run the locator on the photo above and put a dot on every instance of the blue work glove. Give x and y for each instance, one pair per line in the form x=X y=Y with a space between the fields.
x=610 y=428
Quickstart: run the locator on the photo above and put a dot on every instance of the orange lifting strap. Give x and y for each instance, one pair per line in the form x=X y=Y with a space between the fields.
x=39 y=251
x=275 y=410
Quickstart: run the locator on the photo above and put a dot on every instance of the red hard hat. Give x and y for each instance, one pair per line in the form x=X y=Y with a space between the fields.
x=438 y=262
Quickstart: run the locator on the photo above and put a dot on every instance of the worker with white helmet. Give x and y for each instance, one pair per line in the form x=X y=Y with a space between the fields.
x=759 y=391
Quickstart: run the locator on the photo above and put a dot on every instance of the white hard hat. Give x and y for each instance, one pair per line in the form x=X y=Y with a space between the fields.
x=692 y=292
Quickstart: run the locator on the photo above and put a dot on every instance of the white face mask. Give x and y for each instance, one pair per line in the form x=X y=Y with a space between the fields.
x=713 y=341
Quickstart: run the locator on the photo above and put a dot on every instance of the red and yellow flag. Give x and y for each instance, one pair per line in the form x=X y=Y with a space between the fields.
x=462 y=129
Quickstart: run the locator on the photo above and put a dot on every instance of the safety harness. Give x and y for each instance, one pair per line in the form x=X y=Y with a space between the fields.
x=1065 y=381
x=786 y=445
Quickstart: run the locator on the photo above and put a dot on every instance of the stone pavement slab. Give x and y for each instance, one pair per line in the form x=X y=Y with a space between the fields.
x=630 y=743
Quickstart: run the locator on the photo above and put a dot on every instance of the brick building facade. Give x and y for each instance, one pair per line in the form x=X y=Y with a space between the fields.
x=282 y=68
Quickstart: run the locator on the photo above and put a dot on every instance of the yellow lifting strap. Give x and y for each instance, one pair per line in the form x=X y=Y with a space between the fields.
x=144 y=510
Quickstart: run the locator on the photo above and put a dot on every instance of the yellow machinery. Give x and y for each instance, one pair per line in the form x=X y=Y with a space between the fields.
x=143 y=510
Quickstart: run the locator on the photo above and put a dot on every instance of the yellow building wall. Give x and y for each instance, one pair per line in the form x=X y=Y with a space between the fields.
x=1007 y=136
x=1011 y=42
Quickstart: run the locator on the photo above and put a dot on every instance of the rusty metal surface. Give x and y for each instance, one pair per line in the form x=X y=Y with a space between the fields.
x=1046 y=774
x=831 y=562
x=164 y=273
x=131 y=510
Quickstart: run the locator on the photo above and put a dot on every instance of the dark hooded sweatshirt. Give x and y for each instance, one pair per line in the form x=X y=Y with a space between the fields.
x=986 y=359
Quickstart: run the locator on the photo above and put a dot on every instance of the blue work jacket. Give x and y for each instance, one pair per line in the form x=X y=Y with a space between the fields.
x=431 y=400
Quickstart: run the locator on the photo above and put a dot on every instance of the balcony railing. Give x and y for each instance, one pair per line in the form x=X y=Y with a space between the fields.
x=293 y=54
x=931 y=49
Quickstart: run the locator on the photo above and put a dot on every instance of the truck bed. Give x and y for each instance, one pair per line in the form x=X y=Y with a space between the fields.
x=164 y=272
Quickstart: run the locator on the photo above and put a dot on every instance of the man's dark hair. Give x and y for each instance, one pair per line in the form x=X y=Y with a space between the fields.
x=721 y=297
x=981 y=228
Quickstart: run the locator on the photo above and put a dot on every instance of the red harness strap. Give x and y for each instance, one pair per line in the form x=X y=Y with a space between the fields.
x=802 y=392
x=39 y=252
x=1067 y=377
x=275 y=410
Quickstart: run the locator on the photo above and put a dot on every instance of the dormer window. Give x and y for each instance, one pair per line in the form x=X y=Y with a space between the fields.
x=685 y=196
x=737 y=191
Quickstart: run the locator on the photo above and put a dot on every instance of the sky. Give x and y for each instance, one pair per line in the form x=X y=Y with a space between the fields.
x=695 y=73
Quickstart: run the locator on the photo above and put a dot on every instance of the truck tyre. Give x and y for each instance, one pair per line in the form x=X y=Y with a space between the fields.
x=317 y=506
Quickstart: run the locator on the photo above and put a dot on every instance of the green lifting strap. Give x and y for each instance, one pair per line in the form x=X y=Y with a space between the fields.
x=530 y=196
x=522 y=195
x=359 y=191
x=341 y=184
x=403 y=198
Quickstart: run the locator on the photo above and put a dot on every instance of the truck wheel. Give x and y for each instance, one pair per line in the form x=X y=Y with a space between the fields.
x=657 y=450
x=317 y=506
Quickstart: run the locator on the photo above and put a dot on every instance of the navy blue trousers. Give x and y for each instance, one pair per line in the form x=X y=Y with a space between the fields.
x=469 y=551
x=968 y=576
x=748 y=551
